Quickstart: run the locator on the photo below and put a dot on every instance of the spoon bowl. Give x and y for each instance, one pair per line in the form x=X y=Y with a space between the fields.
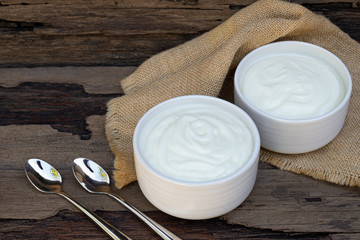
x=95 y=179
x=47 y=179
x=91 y=176
x=43 y=176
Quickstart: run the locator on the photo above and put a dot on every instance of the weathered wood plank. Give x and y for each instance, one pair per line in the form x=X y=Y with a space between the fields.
x=20 y=142
x=72 y=33
x=36 y=205
x=95 y=80
x=68 y=225
x=280 y=201
x=285 y=201
x=60 y=96
x=345 y=236
x=298 y=196
x=125 y=33
x=63 y=106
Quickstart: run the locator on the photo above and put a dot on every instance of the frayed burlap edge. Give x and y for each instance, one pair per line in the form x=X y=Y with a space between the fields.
x=336 y=41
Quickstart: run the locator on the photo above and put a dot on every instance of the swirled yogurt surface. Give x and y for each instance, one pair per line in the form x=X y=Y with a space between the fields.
x=196 y=142
x=292 y=86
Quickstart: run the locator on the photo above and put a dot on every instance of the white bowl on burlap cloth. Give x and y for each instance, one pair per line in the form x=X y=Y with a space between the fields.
x=196 y=200
x=292 y=136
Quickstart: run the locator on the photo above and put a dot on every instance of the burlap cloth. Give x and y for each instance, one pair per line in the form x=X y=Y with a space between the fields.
x=206 y=64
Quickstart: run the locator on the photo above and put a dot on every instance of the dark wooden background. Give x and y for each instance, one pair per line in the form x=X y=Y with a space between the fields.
x=61 y=61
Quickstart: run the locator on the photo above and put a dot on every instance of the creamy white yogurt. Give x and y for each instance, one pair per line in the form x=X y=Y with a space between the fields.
x=292 y=86
x=196 y=142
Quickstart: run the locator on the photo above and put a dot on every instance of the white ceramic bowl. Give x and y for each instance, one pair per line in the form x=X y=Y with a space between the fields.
x=196 y=200
x=294 y=135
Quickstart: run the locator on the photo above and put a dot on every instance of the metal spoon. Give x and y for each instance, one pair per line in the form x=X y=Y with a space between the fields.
x=47 y=179
x=96 y=180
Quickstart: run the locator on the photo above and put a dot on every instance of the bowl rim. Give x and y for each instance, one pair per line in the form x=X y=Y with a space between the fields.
x=294 y=44
x=254 y=158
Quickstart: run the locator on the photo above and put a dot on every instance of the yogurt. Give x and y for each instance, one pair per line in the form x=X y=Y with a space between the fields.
x=196 y=142
x=292 y=86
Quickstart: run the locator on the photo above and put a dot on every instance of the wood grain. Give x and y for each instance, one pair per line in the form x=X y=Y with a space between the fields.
x=122 y=33
x=19 y=143
x=282 y=204
x=94 y=80
x=67 y=225
x=61 y=61
x=284 y=201
x=306 y=205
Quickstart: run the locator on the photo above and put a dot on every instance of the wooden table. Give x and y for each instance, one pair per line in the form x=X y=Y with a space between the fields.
x=61 y=61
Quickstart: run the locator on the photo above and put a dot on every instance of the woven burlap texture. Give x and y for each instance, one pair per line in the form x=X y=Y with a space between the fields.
x=205 y=65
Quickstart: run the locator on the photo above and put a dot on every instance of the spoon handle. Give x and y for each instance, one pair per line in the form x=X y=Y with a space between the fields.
x=107 y=227
x=160 y=230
